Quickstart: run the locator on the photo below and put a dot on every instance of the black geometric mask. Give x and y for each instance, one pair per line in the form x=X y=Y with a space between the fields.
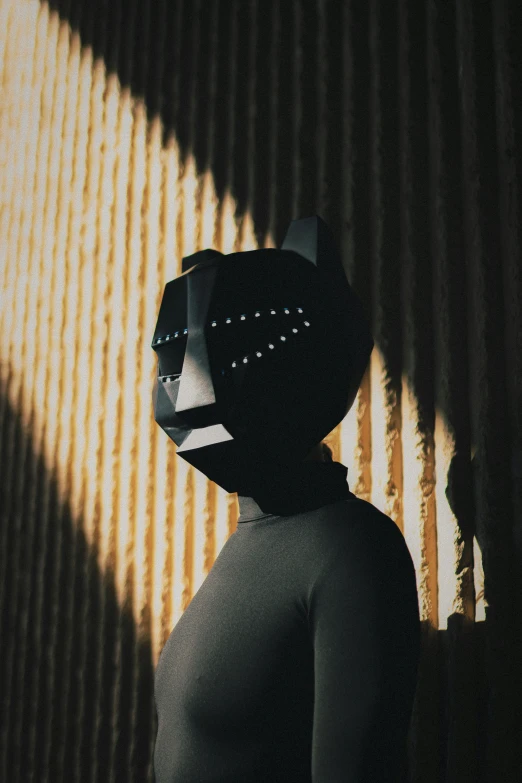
x=260 y=354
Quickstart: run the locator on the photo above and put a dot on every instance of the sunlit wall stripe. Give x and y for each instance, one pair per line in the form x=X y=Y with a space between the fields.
x=17 y=247
x=36 y=359
x=56 y=350
x=13 y=332
x=7 y=304
x=133 y=134
x=26 y=350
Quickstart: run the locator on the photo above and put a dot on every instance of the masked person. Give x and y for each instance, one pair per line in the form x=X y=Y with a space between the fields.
x=297 y=658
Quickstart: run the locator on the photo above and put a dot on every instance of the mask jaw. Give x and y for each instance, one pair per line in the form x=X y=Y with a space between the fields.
x=212 y=450
x=215 y=452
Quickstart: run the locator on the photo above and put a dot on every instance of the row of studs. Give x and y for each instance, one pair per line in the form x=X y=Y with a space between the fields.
x=214 y=323
x=245 y=359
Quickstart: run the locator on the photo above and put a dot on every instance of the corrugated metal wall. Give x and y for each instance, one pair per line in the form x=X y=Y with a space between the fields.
x=133 y=133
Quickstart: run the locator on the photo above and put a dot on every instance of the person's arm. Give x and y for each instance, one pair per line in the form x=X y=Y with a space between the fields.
x=365 y=631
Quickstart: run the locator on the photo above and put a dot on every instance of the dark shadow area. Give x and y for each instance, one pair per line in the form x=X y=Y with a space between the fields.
x=74 y=677
x=171 y=53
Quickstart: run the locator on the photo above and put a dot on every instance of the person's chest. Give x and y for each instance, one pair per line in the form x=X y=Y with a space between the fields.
x=240 y=654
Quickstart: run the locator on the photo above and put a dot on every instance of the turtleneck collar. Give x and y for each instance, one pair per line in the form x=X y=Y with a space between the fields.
x=305 y=487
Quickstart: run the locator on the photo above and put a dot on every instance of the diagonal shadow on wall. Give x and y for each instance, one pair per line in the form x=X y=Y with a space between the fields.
x=62 y=622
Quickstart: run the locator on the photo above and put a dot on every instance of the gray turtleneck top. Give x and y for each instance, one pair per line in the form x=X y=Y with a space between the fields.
x=297 y=658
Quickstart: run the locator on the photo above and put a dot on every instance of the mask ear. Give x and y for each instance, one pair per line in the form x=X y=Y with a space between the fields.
x=312 y=239
x=197 y=258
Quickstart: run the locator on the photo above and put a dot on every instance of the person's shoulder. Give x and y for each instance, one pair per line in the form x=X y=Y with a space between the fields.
x=357 y=520
x=353 y=510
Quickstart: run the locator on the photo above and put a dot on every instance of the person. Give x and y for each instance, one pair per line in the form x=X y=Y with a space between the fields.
x=296 y=660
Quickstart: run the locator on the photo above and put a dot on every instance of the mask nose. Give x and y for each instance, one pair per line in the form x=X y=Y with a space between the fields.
x=196 y=398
